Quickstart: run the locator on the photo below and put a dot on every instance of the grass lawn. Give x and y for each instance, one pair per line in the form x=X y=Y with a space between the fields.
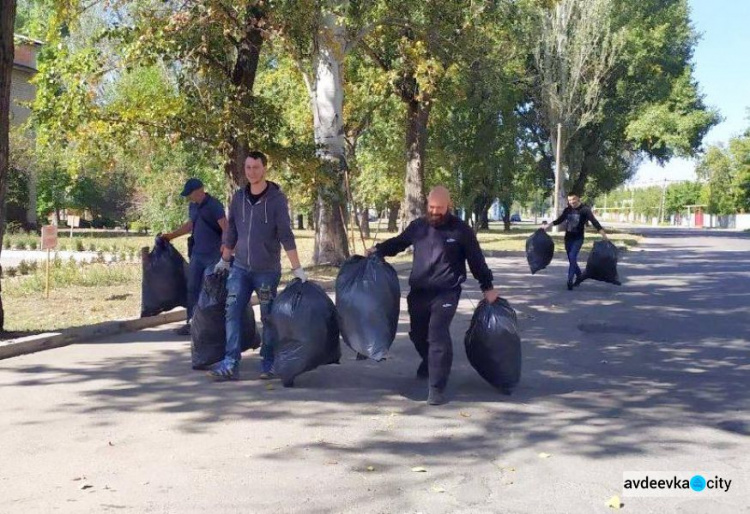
x=99 y=292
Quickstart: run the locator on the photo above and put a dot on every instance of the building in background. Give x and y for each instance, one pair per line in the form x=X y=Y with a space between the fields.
x=22 y=92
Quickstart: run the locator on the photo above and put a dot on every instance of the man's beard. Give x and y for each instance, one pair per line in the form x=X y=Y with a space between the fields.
x=436 y=220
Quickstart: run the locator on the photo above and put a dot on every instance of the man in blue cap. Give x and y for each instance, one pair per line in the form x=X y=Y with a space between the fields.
x=206 y=225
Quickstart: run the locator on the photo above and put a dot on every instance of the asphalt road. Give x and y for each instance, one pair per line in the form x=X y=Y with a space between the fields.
x=652 y=375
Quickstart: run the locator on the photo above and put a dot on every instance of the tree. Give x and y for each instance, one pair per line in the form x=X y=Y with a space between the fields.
x=726 y=171
x=680 y=195
x=7 y=20
x=577 y=51
x=419 y=56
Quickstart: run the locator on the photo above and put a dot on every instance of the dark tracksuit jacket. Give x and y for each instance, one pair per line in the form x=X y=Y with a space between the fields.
x=575 y=219
x=438 y=270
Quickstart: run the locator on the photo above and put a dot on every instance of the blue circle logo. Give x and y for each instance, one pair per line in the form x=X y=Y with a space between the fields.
x=697 y=483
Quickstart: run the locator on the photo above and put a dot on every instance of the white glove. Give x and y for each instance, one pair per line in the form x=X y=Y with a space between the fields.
x=300 y=274
x=222 y=265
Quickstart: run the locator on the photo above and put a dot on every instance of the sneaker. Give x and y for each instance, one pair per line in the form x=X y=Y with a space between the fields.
x=436 y=397
x=578 y=281
x=423 y=371
x=267 y=375
x=361 y=357
x=184 y=330
x=570 y=286
x=222 y=373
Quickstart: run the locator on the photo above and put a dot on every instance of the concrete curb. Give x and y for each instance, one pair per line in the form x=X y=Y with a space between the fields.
x=51 y=340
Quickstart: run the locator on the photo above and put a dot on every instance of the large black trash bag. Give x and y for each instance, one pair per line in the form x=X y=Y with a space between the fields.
x=540 y=248
x=208 y=326
x=493 y=345
x=602 y=263
x=368 y=302
x=303 y=318
x=164 y=283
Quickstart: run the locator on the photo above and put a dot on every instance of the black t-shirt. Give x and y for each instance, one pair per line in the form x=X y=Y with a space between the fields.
x=256 y=198
x=576 y=219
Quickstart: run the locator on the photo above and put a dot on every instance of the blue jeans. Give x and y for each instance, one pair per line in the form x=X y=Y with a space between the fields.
x=240 y=286
x=573 y=247
x=197 y=268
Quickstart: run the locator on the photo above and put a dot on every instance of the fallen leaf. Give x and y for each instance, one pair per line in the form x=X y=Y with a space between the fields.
x=419 y=469
x=332 y=462
x=437 y=489
x=614 y=503
x=511 y=469
x=465 y=415
x=85 y=486
x=110 y=443
x=545 y=455
x=370 y=468
x=76 y=479
x=269 y=387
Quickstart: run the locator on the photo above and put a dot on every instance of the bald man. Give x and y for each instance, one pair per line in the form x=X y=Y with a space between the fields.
x=443 y=244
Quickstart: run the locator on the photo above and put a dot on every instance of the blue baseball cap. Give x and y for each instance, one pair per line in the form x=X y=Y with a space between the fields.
x=191 y=185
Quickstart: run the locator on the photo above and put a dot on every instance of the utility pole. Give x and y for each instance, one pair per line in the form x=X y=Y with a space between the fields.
x=558 y=171
x=663 y=198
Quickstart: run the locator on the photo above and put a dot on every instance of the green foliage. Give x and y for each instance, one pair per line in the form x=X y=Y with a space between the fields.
x=726 y=170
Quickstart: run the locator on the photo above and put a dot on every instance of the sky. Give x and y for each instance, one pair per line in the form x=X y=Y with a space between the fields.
x=722 y=68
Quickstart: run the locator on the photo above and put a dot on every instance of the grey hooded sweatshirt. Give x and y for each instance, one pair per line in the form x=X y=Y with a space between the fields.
x=257 y=232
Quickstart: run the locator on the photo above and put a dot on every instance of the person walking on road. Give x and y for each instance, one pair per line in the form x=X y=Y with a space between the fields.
x=576 y=215
x=259 y=225
x=443 y=244
x=206 y=224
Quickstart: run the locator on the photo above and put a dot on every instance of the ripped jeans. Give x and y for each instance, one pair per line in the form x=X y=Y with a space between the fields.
x=240 y=287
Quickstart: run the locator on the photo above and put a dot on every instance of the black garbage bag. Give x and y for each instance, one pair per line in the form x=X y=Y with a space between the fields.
x=303 y=318
x=493 y=345
x=164 y=282
x=540 y=248
x=208 y=326
x=368 y=302
x=602 y=263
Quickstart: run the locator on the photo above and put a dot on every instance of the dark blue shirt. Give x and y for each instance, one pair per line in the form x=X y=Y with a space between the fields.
x=206 y=229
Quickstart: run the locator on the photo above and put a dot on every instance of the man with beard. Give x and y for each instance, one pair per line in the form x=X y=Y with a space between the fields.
x=443 y=244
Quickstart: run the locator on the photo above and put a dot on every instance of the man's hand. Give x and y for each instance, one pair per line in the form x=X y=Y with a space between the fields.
x=490 y=296
x=547 y=227
x=222 y=265
x=604 y=235
x=300 y=274
x=371 y=251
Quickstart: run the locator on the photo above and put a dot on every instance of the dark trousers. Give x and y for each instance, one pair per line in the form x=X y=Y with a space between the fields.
x=573 y=248
x=199 y=263
x=431 y=313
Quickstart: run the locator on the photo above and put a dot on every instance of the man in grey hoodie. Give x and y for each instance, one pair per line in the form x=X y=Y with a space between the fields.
x=259 y=226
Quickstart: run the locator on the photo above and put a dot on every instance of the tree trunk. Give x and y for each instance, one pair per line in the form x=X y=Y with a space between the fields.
x=415 y=200
x=32 y=222
x=300 y=222
x=506 y=216
x=393 y=208
x=327 y=99
x=311 y=219
x=7 y=49
x=243 y=76
x=364 y=221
